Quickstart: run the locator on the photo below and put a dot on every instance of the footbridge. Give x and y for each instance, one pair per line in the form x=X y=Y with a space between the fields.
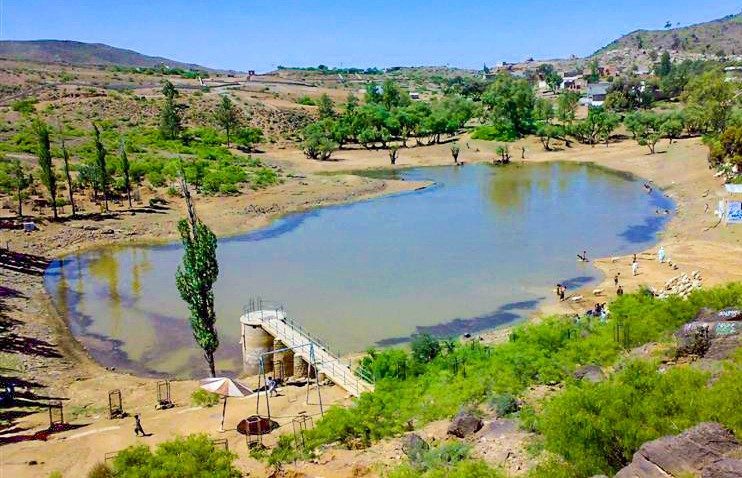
x=266 y=328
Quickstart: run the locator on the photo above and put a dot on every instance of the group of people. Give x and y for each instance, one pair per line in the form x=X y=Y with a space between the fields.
x=561 y=290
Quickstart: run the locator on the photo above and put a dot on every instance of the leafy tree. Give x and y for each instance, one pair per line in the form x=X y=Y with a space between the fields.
x=543 y=110
x=547 y=132
x=625 y=94
x=596 y=127
x=425 y=348
x=126 y=170
x=351 y=104
x=712 y=94
x=393 y=153
x=665 y=66
x=672 y=127
x=48 y=175
x=607 y=122
x=728 y=148
x=326 y=107
x=226 y=116
x=103 y=176
x=317 y=144
x=196 y=277
x=170 y=115
x=19 y=180
x=249 y=137
x=510 y=102
x=455 y=150
x=594 y=75
x=566 y=106
x=67 y=175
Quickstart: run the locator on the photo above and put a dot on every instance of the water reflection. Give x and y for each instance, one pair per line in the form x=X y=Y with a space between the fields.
x=481 y=248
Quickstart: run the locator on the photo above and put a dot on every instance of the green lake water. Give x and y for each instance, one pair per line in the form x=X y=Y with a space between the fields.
x=482 y=247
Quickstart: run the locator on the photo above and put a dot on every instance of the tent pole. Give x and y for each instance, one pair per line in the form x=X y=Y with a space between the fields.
x=224 y=412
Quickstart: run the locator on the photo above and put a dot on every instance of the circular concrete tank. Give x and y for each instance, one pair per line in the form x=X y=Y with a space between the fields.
x=256 y=341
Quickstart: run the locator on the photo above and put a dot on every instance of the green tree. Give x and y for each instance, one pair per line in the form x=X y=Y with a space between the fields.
x=170 y=115
x=594 y=75
x=195 y=278
x=425 y=348
x=714 y=96
x=455 y=150
x=510 y=102
x=351 y=104
x=317 y=143
x=125 y=170
x=566 y=106
x=103 y=175
x=325 y=106
x=67 y=174
x=192 y=456
x=607 y=122
x=226 y=116
x=672 y=127
x=48 y=175
x=393 y=153
x=665 y=66
x=20 y=180
x=249 y=137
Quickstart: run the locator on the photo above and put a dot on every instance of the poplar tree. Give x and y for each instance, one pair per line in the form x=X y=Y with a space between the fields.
x=170 y=122
x=100 y=162
x=48 y=176
x=195 y=278
x=21 y=181
x=226 y=116
x=125 y=169
x=67 y=175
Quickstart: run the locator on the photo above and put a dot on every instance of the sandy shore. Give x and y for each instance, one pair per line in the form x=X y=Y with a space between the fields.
x=54 y=364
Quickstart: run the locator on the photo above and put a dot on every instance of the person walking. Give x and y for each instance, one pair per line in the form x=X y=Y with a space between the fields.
x=619 y=291
x=661 y=254
x=634 y=267
x=138 y=426
x=615 y=279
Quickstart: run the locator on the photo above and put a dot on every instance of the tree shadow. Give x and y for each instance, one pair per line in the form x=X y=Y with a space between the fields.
x=23 y=263
x=42 y=435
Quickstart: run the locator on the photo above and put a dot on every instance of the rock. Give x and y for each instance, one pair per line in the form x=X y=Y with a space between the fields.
x=413 y=445
x=90 y=227
x=464 y=424
x=591 y=373
x=689 y=453
x=726 y=468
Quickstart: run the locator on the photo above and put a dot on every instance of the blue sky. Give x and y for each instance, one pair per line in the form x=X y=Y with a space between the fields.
x=263 y=34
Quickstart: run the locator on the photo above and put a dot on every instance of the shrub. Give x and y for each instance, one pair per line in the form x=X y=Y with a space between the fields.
x=449 y=459
x=305 y=100
x=202 y=398
x=505 y=404
x=494 y=133
x=25 y=106
x=101 y=470
x=425 y=348
x=194 y=455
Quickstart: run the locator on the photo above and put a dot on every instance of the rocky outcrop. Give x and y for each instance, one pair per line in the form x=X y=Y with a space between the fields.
x=681 y=285
x=591 y=373
x=464 y=424
x=703 y=447
x=711 y=334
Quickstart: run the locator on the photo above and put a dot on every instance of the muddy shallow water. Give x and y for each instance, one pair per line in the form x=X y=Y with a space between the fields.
x=481 y=248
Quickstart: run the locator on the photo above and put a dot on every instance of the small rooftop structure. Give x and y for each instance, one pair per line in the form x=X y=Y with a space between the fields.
x=596 y=93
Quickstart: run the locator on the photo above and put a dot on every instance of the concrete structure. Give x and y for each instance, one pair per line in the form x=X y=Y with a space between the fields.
x=265 y=330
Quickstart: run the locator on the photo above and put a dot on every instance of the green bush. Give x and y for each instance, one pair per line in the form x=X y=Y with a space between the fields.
x=305 y=100
x=504 y=404
x=101 y=470
x=449 y=459
x=202 y=398
x=25 y=106
x=194 y=455
x=494 y=133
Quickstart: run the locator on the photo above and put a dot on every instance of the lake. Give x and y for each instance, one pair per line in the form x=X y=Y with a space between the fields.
x=481 y=248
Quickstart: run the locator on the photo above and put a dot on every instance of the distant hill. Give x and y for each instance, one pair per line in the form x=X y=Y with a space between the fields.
x=79 y=53
x=722 y=37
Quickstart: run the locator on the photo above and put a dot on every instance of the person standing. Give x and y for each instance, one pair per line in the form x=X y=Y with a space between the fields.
x=615 y=279
x=619 y=291
x=138 y=426
x=661 y=254
x=634 y=267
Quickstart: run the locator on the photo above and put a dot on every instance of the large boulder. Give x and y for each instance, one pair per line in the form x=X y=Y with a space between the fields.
x=591 y=373
x=691 y=452
x=413 y=445
x=464 y=424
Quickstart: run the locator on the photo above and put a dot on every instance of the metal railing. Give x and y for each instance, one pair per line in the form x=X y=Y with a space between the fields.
x=358 y=378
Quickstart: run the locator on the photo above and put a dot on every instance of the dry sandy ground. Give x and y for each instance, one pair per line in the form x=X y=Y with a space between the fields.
x=692 y=241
